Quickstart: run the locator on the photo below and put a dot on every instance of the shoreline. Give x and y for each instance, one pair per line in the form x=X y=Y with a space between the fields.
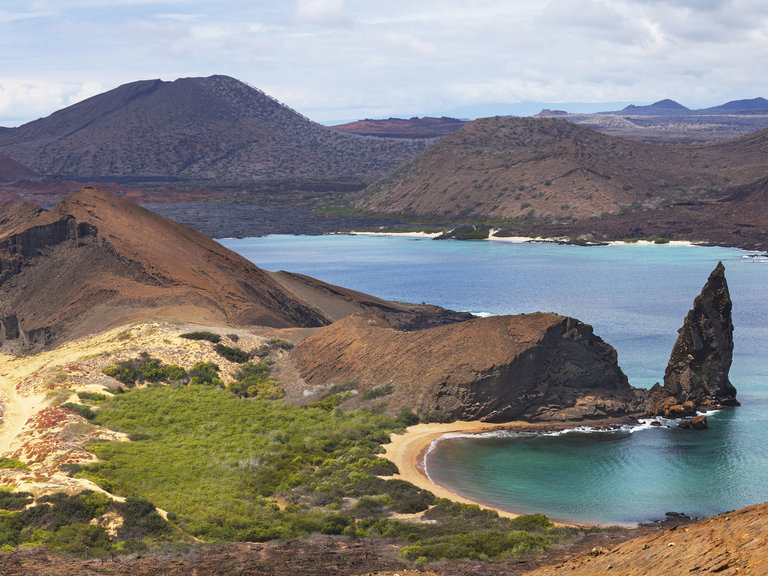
x=407 y=451
x=525 y=239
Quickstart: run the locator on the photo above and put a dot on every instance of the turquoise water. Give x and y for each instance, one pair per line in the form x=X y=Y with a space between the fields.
x=635 y=297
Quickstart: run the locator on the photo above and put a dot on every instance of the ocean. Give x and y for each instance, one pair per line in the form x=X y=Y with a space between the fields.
x=636 y=297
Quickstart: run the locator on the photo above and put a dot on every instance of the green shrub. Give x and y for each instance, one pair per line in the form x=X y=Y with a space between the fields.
x=232 y=354
x=205 y=373
x=175 y=374
x=378 y=391
x=279 y=344
x=13 y=463
x=80 y=410
x=476 y=546
x=11 y=524
x=92 y=396
x=150 y=369
x=144 y=368
x=335 y=524
x=407 y=418
x=531 y=522
x=253 y=381
x=140 y=519
x=124 y=372
x=330 y=402
x=202 y=335
x=14 y=500
x=84 y=540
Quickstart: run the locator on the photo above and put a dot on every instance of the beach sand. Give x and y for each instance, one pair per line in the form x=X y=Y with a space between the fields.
x=407 y=452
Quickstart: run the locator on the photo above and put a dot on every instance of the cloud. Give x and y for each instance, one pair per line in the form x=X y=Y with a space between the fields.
x=86 y=91
x=337 y=58
x=21 y=101
x=322 y=13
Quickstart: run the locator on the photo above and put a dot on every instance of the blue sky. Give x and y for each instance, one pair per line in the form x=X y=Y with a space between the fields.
x=339 y=60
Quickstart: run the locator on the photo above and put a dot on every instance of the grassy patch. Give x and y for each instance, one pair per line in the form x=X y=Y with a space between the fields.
x=212 y=458
x=202 y=335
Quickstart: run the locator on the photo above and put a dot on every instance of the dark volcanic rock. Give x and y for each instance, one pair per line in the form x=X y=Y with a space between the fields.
x=701 y=358
x=541 y=367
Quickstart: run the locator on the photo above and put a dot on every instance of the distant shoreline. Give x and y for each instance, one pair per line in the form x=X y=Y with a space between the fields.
x=525 y=239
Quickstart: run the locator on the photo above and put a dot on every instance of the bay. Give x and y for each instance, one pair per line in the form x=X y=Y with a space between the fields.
x=636 y=297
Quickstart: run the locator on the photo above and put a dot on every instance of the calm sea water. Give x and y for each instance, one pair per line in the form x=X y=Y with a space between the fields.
x=636 y=298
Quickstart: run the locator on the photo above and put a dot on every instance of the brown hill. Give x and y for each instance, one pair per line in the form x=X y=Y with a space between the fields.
x=97 y=261
x=12 y=171
x=545 y=168
x=531 y=366
x=215 y=127
x=426 y=127
x=736 y=219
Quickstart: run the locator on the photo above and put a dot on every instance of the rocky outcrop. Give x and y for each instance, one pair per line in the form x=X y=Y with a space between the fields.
x=539 y=367
x=697 y=373
x=729 y=544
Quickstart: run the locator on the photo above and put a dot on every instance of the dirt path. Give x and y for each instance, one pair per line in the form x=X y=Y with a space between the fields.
x=17 y=407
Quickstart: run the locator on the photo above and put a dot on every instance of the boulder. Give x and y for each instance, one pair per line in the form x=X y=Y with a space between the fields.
x=695 y=423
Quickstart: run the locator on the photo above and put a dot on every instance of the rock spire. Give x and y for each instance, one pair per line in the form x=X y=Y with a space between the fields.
x=701 y=358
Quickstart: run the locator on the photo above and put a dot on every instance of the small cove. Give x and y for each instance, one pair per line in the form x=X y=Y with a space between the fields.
x=636 y=298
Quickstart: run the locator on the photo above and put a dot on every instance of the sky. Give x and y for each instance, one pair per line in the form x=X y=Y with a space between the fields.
x=341 y=60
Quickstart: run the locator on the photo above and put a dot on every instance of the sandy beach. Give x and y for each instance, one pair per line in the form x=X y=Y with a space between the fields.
x=407 y=452
x=519 y=239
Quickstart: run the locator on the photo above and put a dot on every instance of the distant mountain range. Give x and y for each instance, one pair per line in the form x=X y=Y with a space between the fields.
x=196 y=128
x=672 y=108
x=667 y=121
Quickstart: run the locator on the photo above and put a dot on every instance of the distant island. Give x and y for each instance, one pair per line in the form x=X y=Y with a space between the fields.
x=228 y=160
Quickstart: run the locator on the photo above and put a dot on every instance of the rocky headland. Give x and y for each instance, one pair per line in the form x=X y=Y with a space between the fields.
x=539 y=367
x=535 y=367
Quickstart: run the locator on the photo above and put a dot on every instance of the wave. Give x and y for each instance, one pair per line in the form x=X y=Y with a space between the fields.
x=756 y=257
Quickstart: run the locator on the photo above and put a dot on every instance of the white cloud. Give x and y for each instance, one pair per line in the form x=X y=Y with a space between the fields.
x=322 y=12
x=86 y=91
x=22 y=101
x=335 y=58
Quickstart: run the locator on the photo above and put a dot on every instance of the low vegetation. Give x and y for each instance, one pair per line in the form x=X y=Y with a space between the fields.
x=202 y=335
x=220 y=464
x=144 y=368
x=77 y=524
x=229 y=461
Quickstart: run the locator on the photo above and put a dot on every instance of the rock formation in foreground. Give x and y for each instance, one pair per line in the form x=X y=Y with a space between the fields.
x=539 y=367
x=697 y=373
x=96 y=261
x=728 y=544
